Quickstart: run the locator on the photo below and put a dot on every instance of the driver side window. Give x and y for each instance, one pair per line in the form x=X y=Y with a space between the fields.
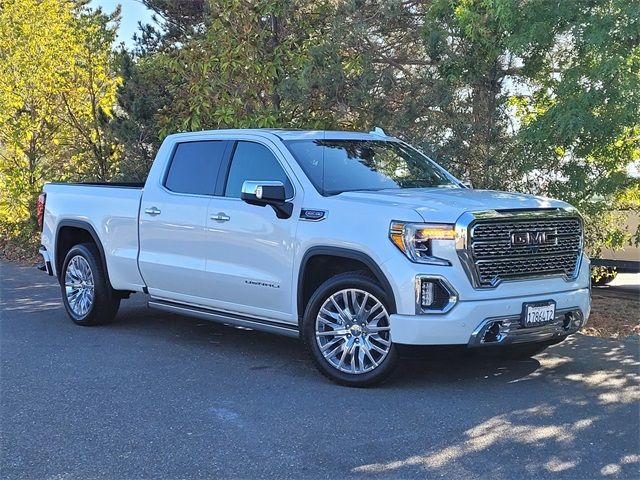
x=253 y=161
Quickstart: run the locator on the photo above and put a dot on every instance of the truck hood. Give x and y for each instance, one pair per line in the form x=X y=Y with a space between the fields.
x=447 y=204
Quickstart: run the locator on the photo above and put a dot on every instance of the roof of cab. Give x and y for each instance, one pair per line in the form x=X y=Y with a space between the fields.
x=292 y=134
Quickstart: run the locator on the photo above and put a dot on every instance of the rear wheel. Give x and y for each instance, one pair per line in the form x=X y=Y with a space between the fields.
x=86 y=293
x=347 y=332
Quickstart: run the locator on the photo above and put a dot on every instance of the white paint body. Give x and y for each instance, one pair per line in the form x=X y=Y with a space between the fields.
x=250 y=264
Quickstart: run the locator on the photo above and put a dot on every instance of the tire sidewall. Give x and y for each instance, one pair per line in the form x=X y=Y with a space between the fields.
x=328 y=288
x=101 y=291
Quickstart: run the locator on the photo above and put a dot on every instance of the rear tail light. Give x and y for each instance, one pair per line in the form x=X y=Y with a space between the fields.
x=42 y=200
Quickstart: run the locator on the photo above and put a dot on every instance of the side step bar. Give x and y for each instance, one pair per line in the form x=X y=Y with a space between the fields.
x=226 y=318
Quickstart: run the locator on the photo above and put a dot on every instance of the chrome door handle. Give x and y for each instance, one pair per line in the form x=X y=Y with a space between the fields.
x=153 y=211
x=221 y=217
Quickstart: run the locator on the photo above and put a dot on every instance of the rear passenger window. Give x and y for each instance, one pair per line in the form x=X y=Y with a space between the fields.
x=194 y=167
x=253 y=161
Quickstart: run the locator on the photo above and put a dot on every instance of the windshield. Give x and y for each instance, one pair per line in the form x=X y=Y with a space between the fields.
x=336 y=166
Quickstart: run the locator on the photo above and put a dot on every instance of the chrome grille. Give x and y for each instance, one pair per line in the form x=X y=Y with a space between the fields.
x=495 y=253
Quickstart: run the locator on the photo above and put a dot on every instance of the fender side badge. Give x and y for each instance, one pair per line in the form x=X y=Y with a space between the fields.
x=312 y=215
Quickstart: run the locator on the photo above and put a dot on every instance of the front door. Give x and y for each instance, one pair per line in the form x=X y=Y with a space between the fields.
x=251 y=251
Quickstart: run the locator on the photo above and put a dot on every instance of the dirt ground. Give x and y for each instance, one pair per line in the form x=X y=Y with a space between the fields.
x=613 y=316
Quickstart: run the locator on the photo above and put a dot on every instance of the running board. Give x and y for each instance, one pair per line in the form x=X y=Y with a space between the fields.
x=226 y=318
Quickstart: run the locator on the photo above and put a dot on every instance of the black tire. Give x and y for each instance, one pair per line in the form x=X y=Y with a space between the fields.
x=105 y=303
x=522 y=352
x=354 y=280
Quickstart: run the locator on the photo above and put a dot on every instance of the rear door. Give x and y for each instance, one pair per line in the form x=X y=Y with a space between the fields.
x=173 y=213
x=251 y=251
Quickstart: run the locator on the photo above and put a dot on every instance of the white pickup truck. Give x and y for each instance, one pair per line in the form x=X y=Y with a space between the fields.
x=355 y=242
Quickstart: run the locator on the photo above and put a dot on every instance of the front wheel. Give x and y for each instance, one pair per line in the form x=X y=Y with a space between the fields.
x=347 y=332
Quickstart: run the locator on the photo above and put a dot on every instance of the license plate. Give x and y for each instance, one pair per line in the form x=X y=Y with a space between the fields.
x=539 y=313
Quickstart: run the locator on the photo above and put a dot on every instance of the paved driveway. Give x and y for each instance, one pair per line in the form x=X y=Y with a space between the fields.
x=624 y=285
x=163 y=396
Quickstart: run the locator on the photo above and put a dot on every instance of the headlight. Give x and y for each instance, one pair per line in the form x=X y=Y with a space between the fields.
x=415 y=239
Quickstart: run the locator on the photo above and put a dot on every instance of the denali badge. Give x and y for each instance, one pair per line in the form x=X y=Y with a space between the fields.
x=312 y=215
x=262 y=284
x=521 y=238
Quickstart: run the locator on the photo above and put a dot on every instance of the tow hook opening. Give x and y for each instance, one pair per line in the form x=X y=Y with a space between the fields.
x=493 y=333
x=572 y=320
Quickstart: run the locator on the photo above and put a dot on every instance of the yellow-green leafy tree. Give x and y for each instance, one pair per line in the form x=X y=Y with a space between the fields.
x=88 y=108
x=56 y=95
x=37 y=52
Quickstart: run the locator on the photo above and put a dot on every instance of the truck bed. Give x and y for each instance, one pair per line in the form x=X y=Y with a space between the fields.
x=102 y=184
x=111 y=210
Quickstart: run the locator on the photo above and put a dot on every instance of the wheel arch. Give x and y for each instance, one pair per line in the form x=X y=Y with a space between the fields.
x=63 y=245
x=348 y=254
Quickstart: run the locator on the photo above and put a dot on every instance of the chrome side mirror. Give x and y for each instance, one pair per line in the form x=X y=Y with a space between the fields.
x=264 y=192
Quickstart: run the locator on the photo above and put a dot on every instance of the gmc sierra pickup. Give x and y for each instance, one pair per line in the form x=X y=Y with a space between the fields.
x=355 y=242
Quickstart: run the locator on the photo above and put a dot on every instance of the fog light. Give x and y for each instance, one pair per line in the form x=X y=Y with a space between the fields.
x=427 y=295
x=434 y=295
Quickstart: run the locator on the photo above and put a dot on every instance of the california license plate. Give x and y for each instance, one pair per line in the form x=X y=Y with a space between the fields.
x=538 y=313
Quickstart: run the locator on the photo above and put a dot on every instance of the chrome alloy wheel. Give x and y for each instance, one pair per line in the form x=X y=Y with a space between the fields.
x=353 y=332
x=78 y=283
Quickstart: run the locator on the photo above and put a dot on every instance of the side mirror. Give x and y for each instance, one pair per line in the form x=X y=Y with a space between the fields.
x=468 y=185
x=263 y=193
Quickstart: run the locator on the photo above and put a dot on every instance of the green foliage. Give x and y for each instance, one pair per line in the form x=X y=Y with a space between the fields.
x=369 y=68
x=57 y=91
x=88 y=107
x=30 y=131
x=233 y=73
x=141 y=96
x=213 y=64
x=538 y=95
x=581 y=118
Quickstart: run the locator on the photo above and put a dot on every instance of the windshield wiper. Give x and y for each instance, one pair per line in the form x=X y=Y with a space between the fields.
x=364 y=190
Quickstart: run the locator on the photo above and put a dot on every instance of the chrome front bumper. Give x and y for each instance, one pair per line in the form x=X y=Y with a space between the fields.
x=508 y=330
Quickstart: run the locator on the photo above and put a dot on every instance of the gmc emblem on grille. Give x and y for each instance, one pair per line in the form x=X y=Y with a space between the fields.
x=521 y=238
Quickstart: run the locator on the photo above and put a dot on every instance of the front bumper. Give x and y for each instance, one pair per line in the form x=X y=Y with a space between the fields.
x=492 y=321
x=505 y=330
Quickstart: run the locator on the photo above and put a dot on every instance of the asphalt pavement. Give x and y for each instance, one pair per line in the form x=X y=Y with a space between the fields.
x=162 y=396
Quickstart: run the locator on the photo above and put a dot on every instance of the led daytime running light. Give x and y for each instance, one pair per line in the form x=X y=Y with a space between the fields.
x=414 y=239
